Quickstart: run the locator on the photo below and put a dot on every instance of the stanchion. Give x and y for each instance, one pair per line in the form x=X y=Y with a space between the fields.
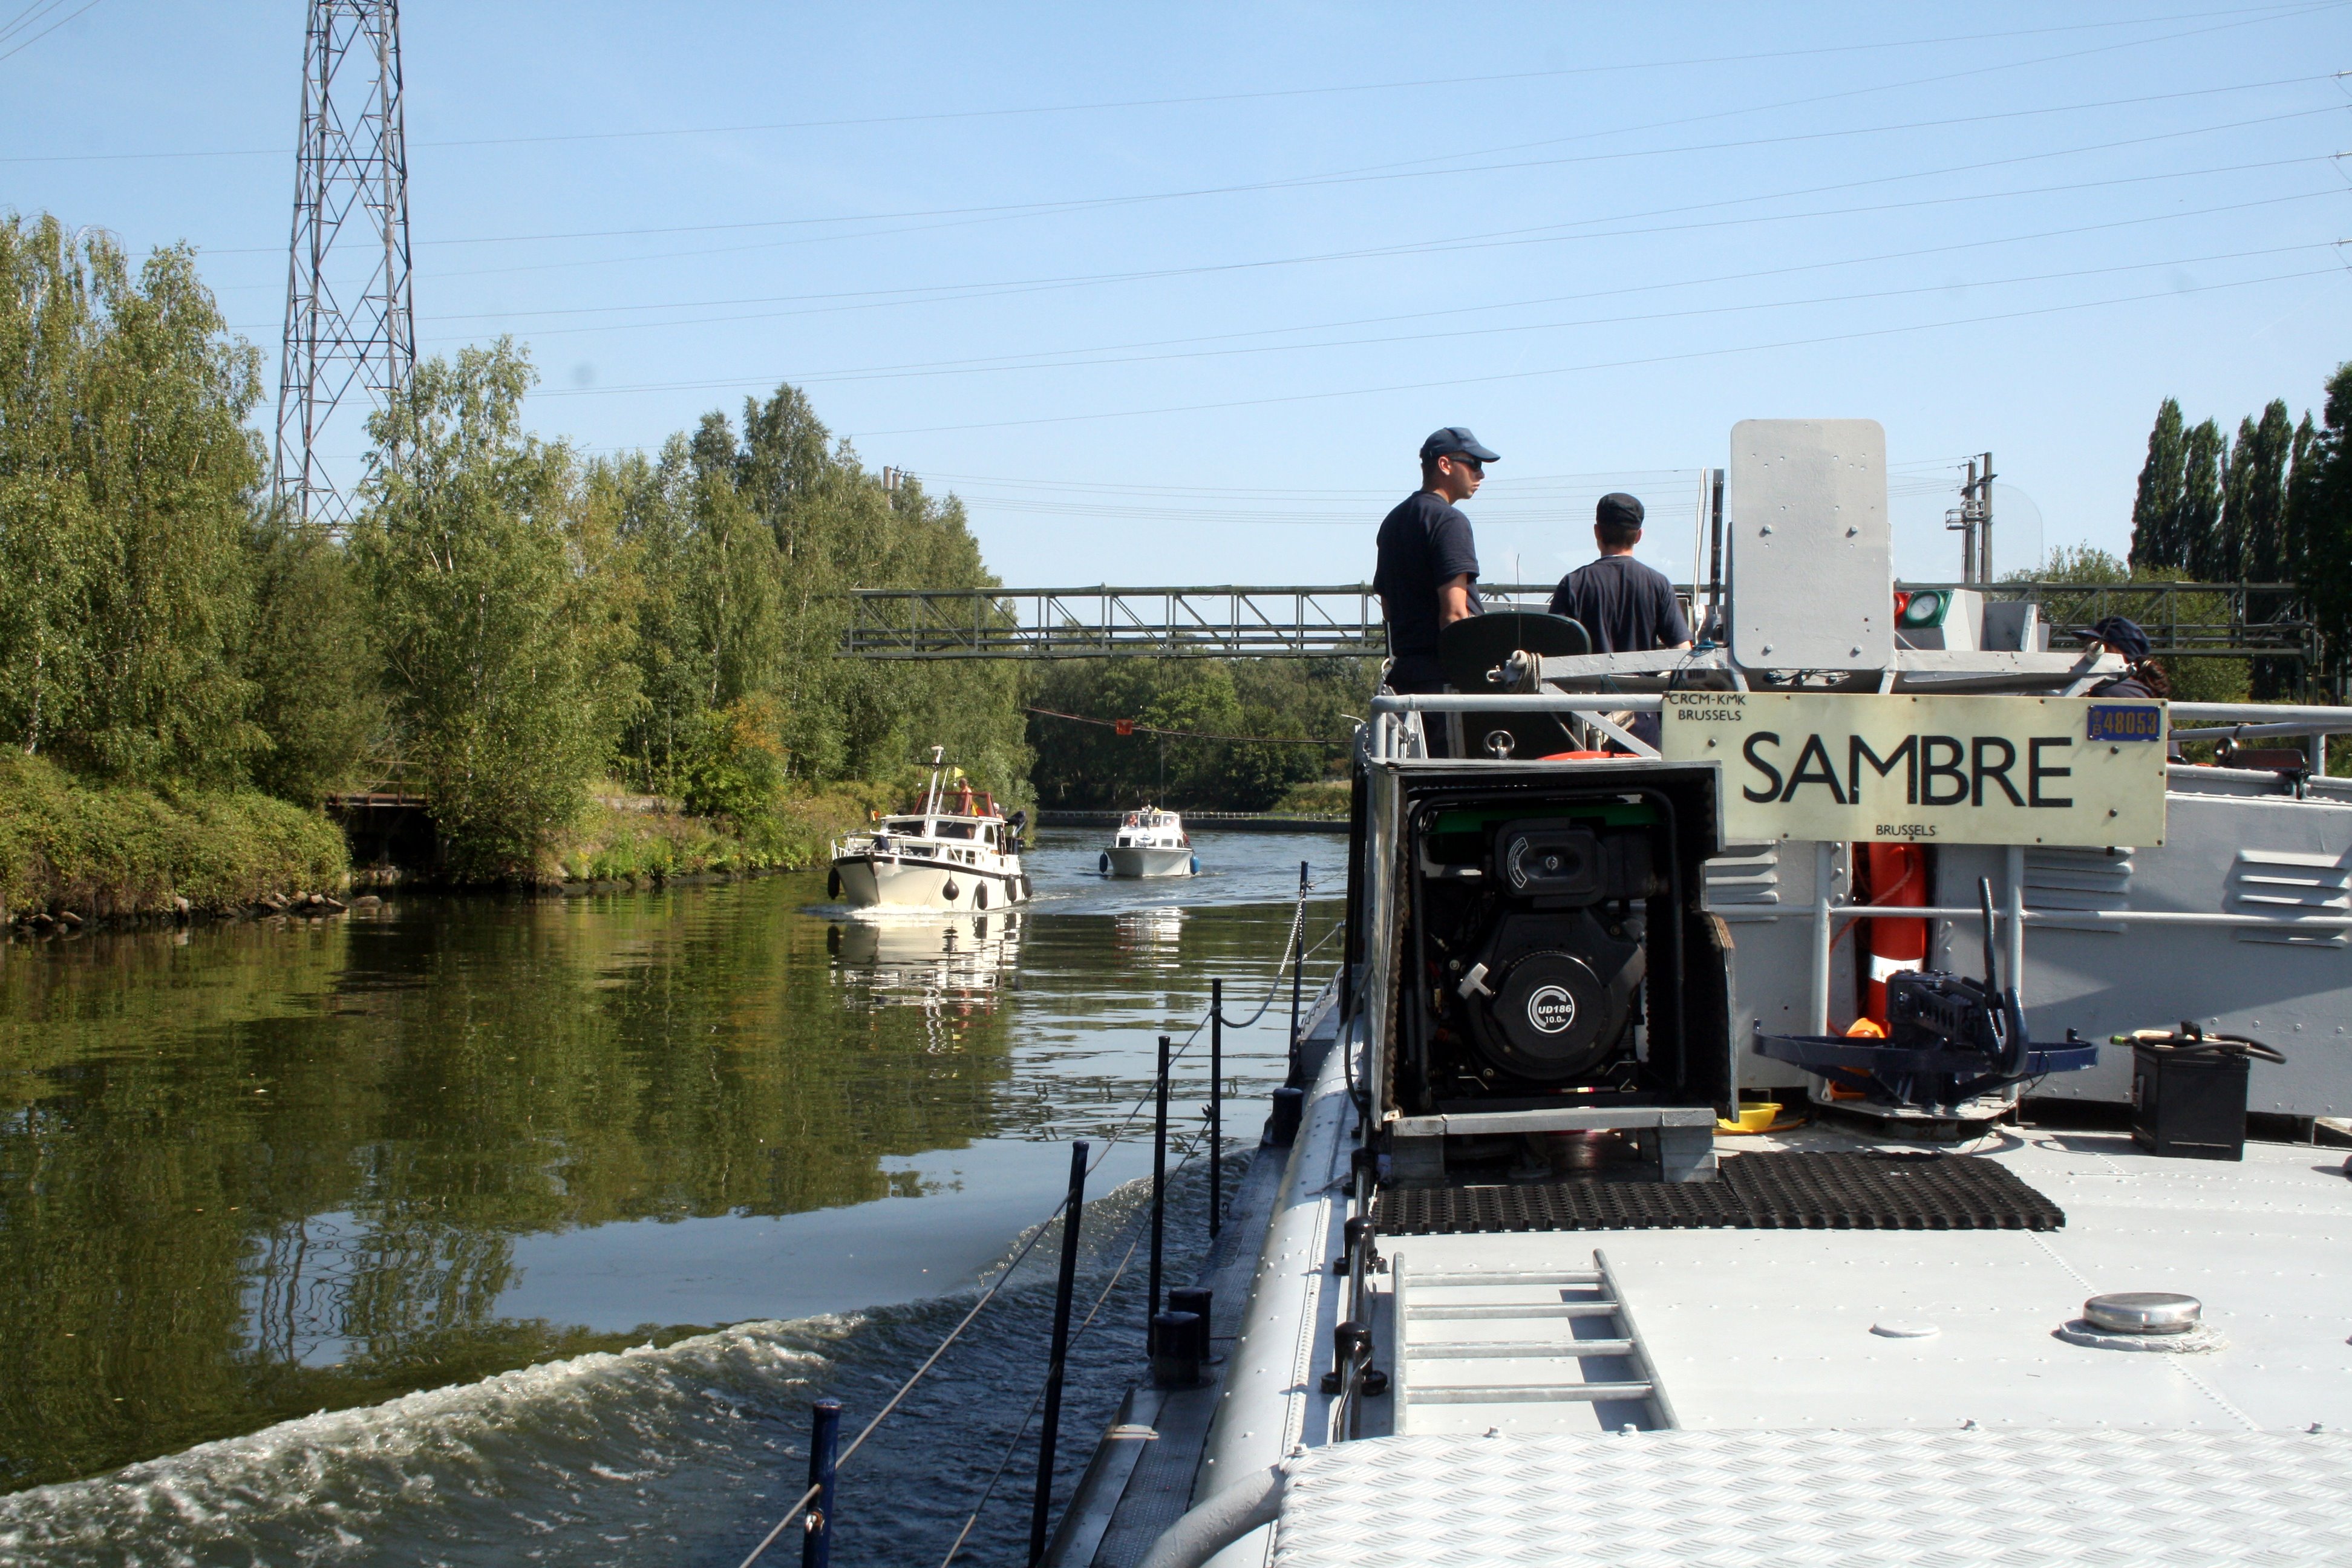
x=1298 y=968
x=1041 y=1505
x=1216 y=1106
x=1159 y=1187
x=825 y=1442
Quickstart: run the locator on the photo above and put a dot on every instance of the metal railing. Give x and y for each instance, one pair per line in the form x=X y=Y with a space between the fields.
x=2190 y=620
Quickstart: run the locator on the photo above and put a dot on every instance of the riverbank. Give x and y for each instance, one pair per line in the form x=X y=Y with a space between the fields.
x=73 y=852
x=76 y=854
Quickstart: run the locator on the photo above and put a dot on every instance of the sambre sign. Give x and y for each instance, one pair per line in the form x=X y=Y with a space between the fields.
x=2082 y=771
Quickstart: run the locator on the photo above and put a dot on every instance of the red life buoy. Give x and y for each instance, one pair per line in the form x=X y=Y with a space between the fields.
x=1898 y=875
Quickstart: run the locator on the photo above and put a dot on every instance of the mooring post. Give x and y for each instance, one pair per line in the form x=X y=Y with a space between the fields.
x=1298 y=967
x=825 y=1443
x=1159 y=1184
x=1216 y=1106
x=1041 y=1505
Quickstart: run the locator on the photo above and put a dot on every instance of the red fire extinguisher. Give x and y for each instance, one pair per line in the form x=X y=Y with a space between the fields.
x=1899 y=876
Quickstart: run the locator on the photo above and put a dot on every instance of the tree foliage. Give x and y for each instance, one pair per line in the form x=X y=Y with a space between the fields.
x=1082 y=765
x=127 y=480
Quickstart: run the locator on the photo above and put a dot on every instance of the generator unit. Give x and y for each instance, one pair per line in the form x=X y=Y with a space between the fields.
x=1555 y=971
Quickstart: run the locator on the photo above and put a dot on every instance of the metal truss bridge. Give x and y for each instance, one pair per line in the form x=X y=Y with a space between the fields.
x=2196 y=620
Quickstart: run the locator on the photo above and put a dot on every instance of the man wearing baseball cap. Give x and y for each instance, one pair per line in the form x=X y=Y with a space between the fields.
x=1428 y=573
x=2143 y=676
x=1626 y=607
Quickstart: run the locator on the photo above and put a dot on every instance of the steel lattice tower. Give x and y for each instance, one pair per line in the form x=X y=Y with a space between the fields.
x=351 y=324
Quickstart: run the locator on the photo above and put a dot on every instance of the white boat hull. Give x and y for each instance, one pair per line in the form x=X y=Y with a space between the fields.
x=1133 y=861
x=890 y=881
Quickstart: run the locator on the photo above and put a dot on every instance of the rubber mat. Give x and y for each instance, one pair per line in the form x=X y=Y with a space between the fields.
x=1750 y=1192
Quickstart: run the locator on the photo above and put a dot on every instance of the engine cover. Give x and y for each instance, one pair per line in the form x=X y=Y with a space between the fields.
x=1550 y=995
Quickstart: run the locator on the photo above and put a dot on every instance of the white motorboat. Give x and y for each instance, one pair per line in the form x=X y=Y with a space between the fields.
x=958 y=854
x=1149 y=843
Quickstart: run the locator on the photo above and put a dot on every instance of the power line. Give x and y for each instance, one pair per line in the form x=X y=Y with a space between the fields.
x=27 y=16
x=2247 y=16
x=1316 y=182
x=1065 y=205
x=1597 y=364
x=821 y=378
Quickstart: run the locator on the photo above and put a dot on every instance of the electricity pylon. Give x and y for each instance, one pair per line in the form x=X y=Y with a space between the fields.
x=351 y=323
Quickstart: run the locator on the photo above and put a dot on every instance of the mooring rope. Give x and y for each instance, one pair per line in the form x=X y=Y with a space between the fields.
x=1290 y=946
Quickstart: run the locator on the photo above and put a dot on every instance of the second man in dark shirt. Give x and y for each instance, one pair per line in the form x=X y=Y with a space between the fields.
x=1627 y=607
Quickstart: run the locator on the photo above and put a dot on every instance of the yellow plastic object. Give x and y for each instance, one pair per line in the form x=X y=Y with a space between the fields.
x=1865 y=1028
x=1755 y=1115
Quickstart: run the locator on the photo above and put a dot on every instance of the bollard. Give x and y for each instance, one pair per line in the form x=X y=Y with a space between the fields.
x=1216 y=1106
x=1158 y=1190
x=825 y=1443
x=1175 y=1353
x=1192 y=1299
x=1289 y=1110
x=1349 y=1341
x=1041 y=1503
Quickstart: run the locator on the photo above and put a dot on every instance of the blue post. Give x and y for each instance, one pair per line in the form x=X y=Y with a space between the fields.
x=825 y=1442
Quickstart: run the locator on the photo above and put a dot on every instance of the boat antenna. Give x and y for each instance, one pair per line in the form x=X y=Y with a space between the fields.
x=931 y=800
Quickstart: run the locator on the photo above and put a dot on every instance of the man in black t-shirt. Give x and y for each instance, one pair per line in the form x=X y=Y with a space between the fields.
x=1428 y=573
x=1626 y=606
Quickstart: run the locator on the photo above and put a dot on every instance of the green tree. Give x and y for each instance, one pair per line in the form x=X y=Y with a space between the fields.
x=2253 y=511
x=502 y=600
x=2199 y=518
x=127 y=473
x=2156 y=510
x=2323 y=516
x=309 y=653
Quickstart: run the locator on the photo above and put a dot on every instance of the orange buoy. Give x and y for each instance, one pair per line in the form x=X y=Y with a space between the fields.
x=1899 y=876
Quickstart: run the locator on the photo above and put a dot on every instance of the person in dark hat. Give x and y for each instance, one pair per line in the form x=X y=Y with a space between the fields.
x=2143 y=676
x=1428 y=573
x=1627 y=607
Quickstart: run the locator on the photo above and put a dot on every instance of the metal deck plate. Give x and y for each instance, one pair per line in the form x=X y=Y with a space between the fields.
x=1835 y=1191
x=1765 y=1500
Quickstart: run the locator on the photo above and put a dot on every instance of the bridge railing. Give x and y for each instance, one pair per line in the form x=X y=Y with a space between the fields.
x=2193 y=620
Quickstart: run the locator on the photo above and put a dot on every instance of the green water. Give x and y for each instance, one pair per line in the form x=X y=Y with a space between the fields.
x=252 y=1172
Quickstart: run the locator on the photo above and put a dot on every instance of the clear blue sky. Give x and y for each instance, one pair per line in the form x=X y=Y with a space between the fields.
x=1171 y=294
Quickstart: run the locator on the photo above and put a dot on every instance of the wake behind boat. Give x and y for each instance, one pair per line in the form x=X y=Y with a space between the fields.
x=958 y=853
x=1149 y=843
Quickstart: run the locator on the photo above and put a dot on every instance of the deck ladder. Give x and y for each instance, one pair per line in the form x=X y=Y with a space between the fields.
x=1471 y=1343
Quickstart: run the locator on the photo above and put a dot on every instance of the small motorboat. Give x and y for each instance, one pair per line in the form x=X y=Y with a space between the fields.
x=957 y=854
x=1149 y=843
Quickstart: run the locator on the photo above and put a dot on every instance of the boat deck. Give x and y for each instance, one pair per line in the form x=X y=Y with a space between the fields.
x=1797 y=1328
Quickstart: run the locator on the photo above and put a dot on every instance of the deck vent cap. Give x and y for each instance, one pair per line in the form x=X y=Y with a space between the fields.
x=2143 y=1312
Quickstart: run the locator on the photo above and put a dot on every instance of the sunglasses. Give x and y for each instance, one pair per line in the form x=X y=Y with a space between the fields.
x=1473 y=464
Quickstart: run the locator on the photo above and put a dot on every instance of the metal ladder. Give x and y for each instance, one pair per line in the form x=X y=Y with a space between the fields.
x=1529 y=1360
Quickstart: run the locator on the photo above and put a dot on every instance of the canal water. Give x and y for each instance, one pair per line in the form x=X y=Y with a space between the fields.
x=474 y=1230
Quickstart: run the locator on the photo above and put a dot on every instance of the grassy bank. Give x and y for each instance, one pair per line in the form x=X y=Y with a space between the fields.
x=611 y=841
x=110 y=852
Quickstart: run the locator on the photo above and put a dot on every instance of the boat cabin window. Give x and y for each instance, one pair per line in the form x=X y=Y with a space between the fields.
x=954 y=830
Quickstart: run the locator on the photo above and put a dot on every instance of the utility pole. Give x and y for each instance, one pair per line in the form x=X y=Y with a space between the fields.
x=351 y=322
x=1984 y=520
x=1973 y=521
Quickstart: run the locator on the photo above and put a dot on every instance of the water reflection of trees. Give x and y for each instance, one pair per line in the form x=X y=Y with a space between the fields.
x=270 y=1169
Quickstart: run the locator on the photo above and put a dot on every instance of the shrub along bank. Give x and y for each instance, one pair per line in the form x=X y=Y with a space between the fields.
x=105 y=851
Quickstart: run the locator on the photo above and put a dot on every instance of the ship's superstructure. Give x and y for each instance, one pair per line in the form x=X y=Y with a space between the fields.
x=1149 y=843
x=1538 y=1286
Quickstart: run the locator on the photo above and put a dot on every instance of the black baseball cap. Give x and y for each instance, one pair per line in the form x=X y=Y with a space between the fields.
x=1618 y=509
x=2123 y=636
x=1455 y=441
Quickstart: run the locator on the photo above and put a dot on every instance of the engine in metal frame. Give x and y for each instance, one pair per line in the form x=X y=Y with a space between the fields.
x=1539 y=951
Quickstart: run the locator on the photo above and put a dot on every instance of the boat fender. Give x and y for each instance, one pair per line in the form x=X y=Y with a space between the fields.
x=1103 y=865
x=950 y=891
x=980 y=897
x=832 y=884
x=1196 y=866
x=1220 y=1522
